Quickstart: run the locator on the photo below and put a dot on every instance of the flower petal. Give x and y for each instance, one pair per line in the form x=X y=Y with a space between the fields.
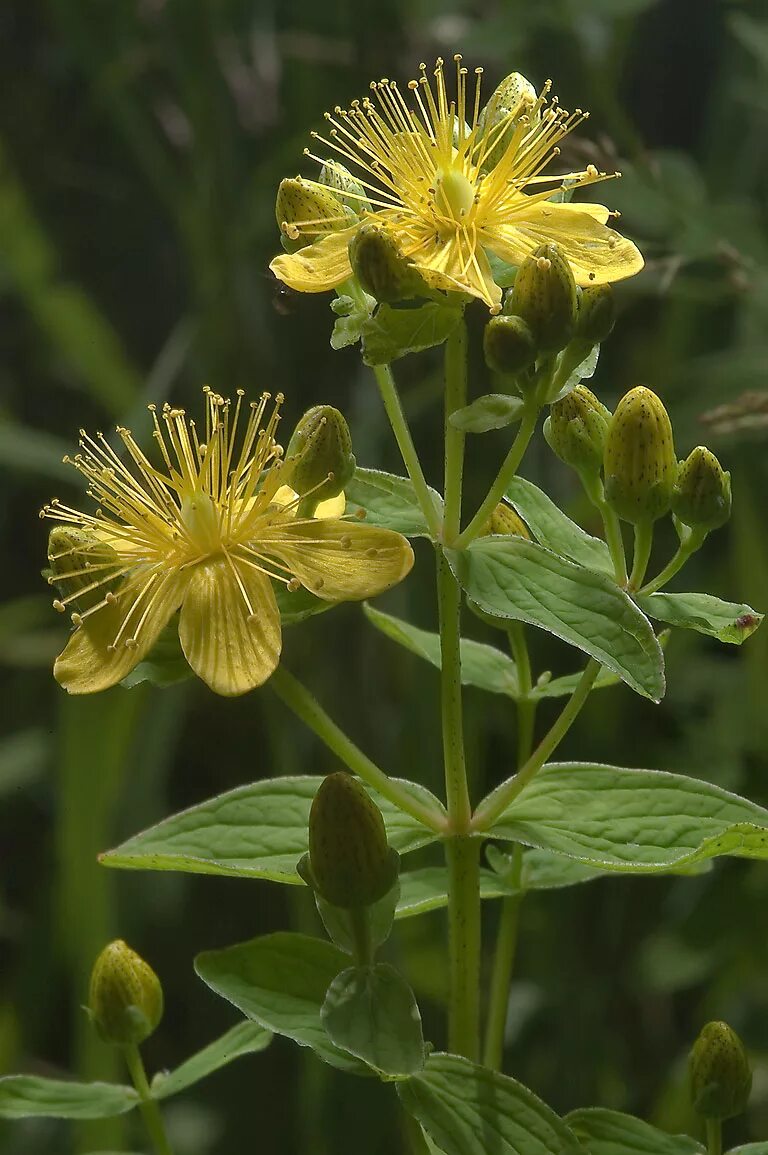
x=330 y=507
x=339 y=560
x=320 y=266
x=596 y=253
x=230 y=626
x=461 y=266
x=87 y=664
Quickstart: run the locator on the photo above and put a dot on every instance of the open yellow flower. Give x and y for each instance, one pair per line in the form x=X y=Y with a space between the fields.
x=451 y=184
x=205 y=533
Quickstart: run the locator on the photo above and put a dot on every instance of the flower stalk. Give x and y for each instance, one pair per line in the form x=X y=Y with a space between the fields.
x=150 y=1110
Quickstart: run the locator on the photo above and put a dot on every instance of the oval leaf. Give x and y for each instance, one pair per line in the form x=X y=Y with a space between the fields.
x=604 y=1132
x=469 y=1110
x=243 y=1039
x=640 y=821
x=256 y=831
x=701 y=612
x=389 y=502
x=552 y=529
x=427 y=889
x=481 y=665
x=280 y=981
x=392 y=333
x=493 y=411
x=511 y=577
x=27 y=1096
x=372 y=1013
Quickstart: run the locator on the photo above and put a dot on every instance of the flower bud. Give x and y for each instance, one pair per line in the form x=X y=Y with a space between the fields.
x=720 y=1076
x=508 y=345
x=702 y=496
x=576 y=429
x=596 y=314
x=350 y=861
x=544 y=295
x=350 y=191
x=126 y=999
x=322 y=448
x=80 y=564
x=380 y=266
x=505 y=520
x=639 y=460
x=305 y=208
x=513 y=99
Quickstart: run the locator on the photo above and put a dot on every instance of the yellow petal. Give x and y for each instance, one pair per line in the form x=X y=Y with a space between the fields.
x=230 y=626
x=320 y=266
x=339 y=560
x=460 y=266
x=596 y=253
x=87 y=665
x=331 y=507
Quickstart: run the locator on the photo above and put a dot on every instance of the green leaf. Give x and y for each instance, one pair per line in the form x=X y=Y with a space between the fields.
x=493 y=411
x=389 y=502
x=351 y=319
x=749 y=1149
x=541 y=870
x=426 y=889
x=280 y=981
x=338 y=922
x=256 y=831
x=372 y=1013
x=25 y=1096
x=564 y=687
x=165 y=664
x=701 y=612
x=503 y=273
x=481 y=665
x=243 y=1039
x=512 y=577
x=604 y=1132
x=583 y=371
x=640 y=821
x=469 y=1110
x=553 y=529
x=297 y=605
x=391 y=333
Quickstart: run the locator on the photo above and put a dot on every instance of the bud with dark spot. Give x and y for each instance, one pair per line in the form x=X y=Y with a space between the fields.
x=576 y=430
x=702 y=497
x=126 y=998
x=510 y=102
x=720 y=1075
x=596 y=314
x=381 y=268
x=322 y=447
x=639 y=461
x=544 y=295
x=346 y=187
x=508 y=345
x=80 y=564
x=350 y=864
x=305 y=209
x=505 y=520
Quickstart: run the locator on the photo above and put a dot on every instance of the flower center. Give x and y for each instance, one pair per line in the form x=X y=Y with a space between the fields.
x=454 y=194
x=201 y=521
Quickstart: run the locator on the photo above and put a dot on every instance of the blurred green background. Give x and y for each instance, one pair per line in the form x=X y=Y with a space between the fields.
x=141 y=142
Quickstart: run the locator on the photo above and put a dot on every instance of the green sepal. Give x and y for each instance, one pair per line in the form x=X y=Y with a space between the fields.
x=371 y=1012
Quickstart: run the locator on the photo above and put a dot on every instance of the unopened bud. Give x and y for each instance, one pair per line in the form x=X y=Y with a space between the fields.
x=702 y=497
x=596 y=314
x=639 y=460
x=544 y=295
x=508 y=345
x=347 y=188
x=350 y=863
x=80 y=563
x=322 y=448
x=380 y=266
x=511 y=102
x=505 y=520
x=126 y=998
x=720 y=1076
x=304 y=209
x=576 y=430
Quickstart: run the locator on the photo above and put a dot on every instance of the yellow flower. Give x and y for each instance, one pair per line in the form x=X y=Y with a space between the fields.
x=451 y=191
x=205 y=533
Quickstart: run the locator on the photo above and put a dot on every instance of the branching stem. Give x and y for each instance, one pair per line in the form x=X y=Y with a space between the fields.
x=150 y=1110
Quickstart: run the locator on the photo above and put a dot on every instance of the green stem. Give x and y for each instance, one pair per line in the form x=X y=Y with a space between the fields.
x=455 y=398
x=508 y=470
x=149 y=1107
x=642 y=554
x=306 y=707
x=498 y=800
x=614 y=541
x=526 y=706
x=714 y=1137
x=463 y=859
x=686 y=548
x=397 y=419
x=360 y=926
x=503 y=962
x=456 y=789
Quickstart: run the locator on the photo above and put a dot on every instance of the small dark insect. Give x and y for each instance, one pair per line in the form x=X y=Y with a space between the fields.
x=283 y=299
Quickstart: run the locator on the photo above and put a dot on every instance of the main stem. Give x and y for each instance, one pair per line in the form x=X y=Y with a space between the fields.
x=397 y=419
x=714 y=1137
x=462 y=852
x=150 y=1110
x=306 y=707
